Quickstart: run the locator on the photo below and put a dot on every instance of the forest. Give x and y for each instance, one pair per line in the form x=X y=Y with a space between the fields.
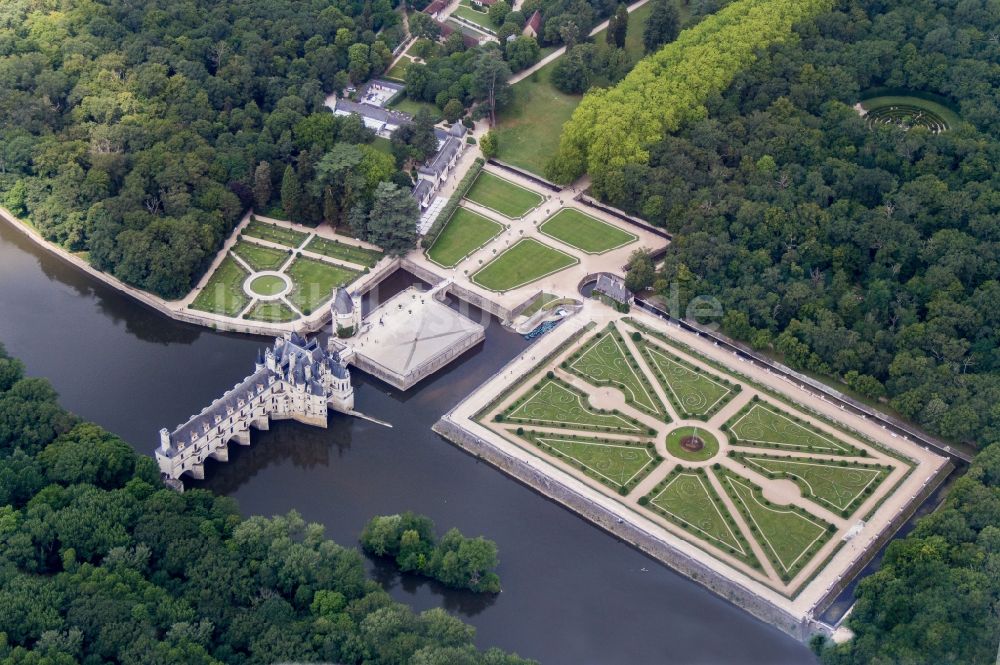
x=100 y=563
x=138 y=132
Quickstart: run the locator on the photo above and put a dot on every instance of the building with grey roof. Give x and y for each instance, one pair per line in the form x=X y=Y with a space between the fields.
x=613 y=287
x=423 y=193
x=295 y=379
x=380 y=120
x=436 y=169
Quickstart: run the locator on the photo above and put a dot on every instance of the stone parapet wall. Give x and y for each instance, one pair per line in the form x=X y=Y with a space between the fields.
x=799 y=628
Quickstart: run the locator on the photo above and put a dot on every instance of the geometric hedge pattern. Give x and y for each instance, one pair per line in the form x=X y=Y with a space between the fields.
x=715 y=501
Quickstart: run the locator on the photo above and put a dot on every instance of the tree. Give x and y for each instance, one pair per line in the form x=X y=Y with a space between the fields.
x=571 y=73
x=489 y=144
x=453 y=110
x=489 y=80
x=392 y=223
x=639 y=273
x=498 y=12
x=618 y=27
x=423 y=25
x=262 y=185
x=663 y=25
x=522 y=52
x=291 y=194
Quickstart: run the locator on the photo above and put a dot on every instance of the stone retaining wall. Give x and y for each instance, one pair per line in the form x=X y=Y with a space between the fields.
x=661 y=550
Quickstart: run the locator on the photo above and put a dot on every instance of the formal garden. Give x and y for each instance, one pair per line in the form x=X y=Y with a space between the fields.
x=277 y=274
x=585 y=232
x=525 y=261
x=750 y=478
x=503 y=196
x=464 y=233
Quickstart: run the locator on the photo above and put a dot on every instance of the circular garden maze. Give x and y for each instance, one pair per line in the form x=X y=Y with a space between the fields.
x=906 y=113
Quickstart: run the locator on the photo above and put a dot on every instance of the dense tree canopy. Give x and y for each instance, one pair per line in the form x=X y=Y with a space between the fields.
x=141 y=130
x=100 y=564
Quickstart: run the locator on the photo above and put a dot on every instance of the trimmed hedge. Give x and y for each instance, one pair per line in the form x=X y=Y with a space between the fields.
x=449 y=208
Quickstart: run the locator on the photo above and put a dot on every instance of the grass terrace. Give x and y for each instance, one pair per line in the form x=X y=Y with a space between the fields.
x=465 y=232
x=274 y=233
x=260 y=257
x=398 y=71
x=692 y=444
x=313 y=282
x=693 y=392
x=473 y=15
x=763 y=425
x=554 y=403
x=524 y=262
x=789 y=535
x=586 y=233
x=619 y=464
x=223 y=294
x=687 y=498
x=606 y=360
x=342 y=251
x=503 y=196
x=273 y=312
x=837 y=485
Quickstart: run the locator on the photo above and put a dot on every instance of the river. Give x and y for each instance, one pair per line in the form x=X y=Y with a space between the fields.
x=572 y=595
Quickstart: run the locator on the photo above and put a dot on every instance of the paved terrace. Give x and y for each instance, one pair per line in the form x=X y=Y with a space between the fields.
x=410 y=336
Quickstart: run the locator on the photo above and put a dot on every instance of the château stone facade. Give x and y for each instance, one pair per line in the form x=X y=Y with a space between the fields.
x=295 y=379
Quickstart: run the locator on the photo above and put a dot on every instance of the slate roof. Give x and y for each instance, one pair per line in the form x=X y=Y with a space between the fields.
x=613 y=287
x=436 y=164
x=342 y=302
x=421 y=190
x=375 y=113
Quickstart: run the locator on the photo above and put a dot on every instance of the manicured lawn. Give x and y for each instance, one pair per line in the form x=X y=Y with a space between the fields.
x=709 y=442
x=412 y=106
x=464 y=233
x=274 y=311
x=528 y=129
x=763 y=425
x=223 y=294
x=398 y=71
x=524 y=262
x=260 y=257
x=692 y=391
x=345 y=252
x=789 y=535
x=274 y=233
x=553 y=403
x=686 y=498
x=605 y=360
x=838 y=488
x=382 y=145
x=584 y=232
x=538 y=303
x=482 y=19
x=618 y=464
x=267 y=285
x=313 y=282
x=503 y=196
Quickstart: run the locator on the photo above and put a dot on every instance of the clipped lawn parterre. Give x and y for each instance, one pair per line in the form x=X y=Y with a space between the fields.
x=223 y=294
x=344 y=252
x=465 y=232
x=505 y=197
x=524 y=262
x=260 y=257
x=267 y=285
x=686 y=498
x=763 y=425
x=606 y=360
x=789 y=535
x=618 y=464
x=554 y=403
x=586 y=233
x=274 y=233
x=838 y=485
x=274 y=312
x=692 y=391
x=313 y=282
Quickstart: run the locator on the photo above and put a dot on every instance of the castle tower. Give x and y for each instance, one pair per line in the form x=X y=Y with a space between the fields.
x=346 y=311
